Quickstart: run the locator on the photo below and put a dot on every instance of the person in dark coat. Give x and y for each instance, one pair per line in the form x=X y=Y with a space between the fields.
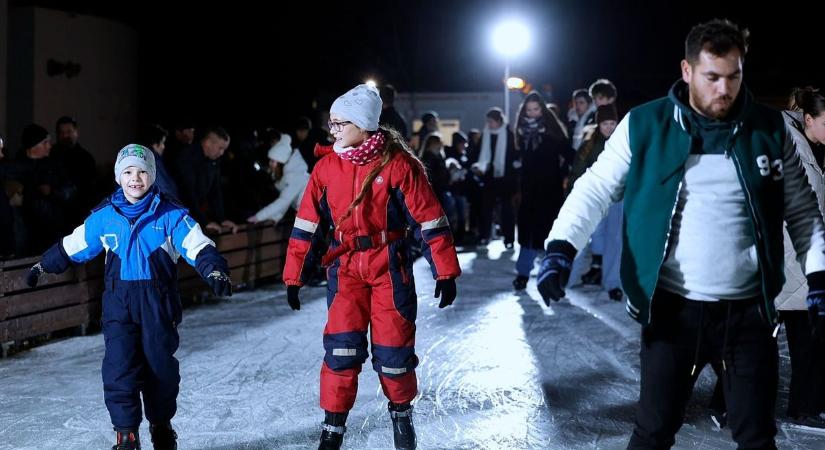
x=433 y=157
x=498 y=166
x=541 y=140
x=154 y=137
x=389 y=115
x=80 y=168
x=48 y=191
x=200 y=180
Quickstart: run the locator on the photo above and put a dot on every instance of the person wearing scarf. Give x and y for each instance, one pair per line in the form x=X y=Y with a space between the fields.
x=541 y=140
x=498 y=164
x=143 y=233
x=374 y=193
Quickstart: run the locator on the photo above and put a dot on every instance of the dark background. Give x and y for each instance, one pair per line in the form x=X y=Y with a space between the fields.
x=246 y=63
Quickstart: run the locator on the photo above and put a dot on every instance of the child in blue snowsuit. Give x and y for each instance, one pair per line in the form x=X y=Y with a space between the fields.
x=143 y=233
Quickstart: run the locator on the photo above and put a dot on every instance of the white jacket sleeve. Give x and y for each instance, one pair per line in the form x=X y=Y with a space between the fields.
x=595 y=191
x=802 y=213
x=290 y=195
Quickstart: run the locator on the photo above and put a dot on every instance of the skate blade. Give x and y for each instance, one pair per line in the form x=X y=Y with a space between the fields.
x=803 y=428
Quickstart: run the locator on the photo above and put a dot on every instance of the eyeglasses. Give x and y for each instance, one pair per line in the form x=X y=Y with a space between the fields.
x=335 y=127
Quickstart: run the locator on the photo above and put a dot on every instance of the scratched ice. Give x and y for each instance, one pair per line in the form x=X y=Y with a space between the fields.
x=498 y=371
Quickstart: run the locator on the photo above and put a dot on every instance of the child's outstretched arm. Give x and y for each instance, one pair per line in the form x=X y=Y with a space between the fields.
x=200 y=252
x=82 y=245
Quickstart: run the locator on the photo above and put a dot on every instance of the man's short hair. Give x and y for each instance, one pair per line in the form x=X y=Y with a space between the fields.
x=387 y=92
x=303 y=123
x=152 y=134
x=603 y=87
x=217 y=131
x=582 y=93
x=718 y=36
x=65 y=120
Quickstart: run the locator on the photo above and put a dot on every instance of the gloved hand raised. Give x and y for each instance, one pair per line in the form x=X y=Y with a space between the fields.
x=446 y=290
x=292 y=297
x=220 y=283
x=34 y=275
x=554 y=270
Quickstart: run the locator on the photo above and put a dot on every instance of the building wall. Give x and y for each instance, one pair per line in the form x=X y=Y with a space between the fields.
x=468 y=109
x=102 y=97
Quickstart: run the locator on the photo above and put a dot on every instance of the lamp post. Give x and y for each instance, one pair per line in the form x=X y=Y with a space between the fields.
x=510 y=38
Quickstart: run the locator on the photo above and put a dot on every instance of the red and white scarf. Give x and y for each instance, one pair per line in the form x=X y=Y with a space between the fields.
x=365 y=153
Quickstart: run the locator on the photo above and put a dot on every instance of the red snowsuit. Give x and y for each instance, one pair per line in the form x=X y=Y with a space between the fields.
x=370 y=284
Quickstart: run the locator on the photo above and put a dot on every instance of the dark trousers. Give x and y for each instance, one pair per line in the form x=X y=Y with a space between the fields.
x=498 y=191
x=686 y=335
x=140 y=331
x=807 y=390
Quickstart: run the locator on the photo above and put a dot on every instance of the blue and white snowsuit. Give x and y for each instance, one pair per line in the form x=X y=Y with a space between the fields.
x=141 y=305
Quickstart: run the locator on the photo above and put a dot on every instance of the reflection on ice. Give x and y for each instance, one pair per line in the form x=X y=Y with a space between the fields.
x=498 y=370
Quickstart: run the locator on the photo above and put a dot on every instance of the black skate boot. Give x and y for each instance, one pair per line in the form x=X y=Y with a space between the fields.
x=594 y=275
x=332 y=431
x=403 y=432
x=127 y=440
x=163 y=436
x=520 y=283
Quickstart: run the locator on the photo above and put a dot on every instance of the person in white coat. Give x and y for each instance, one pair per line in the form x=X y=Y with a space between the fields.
x=290 y=173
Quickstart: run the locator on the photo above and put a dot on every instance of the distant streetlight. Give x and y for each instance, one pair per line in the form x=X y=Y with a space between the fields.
x=515 y=83
x=510 y=38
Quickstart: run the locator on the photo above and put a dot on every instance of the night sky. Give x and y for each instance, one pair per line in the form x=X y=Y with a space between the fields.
x=239 y=64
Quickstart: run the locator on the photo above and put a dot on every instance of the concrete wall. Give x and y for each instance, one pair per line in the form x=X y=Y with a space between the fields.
x=462 y=110
x=103 y=95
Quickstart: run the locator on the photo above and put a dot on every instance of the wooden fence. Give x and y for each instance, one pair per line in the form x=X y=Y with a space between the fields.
x=71 y=300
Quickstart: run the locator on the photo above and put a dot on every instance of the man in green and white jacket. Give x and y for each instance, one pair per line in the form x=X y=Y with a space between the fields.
x=707 y=177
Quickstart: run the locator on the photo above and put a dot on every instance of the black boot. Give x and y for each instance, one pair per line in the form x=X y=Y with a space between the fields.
x=615 y=294
x=163 y=436
x=520 y=283
x=332 y=431
x=127 y=440
x=594 y=275
x=403 y=432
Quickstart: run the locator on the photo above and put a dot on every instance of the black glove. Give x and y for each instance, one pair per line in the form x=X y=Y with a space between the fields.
x=816 y=302
x=34 y=275
x=554 y=270
x=220 y=283
x=292 y=297
x=446 y=290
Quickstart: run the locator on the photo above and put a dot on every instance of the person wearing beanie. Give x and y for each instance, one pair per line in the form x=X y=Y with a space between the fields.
x=374 y=191
x=143 y=233
x=289 y=170
x=49 y=193
x=35 y=141
x=605 y=243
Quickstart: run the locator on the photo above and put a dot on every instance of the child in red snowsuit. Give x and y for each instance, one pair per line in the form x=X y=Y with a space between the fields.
x=375 y=196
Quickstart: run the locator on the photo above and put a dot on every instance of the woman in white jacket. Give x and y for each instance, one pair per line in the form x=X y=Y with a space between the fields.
x=805 y=329
x=290 y=173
